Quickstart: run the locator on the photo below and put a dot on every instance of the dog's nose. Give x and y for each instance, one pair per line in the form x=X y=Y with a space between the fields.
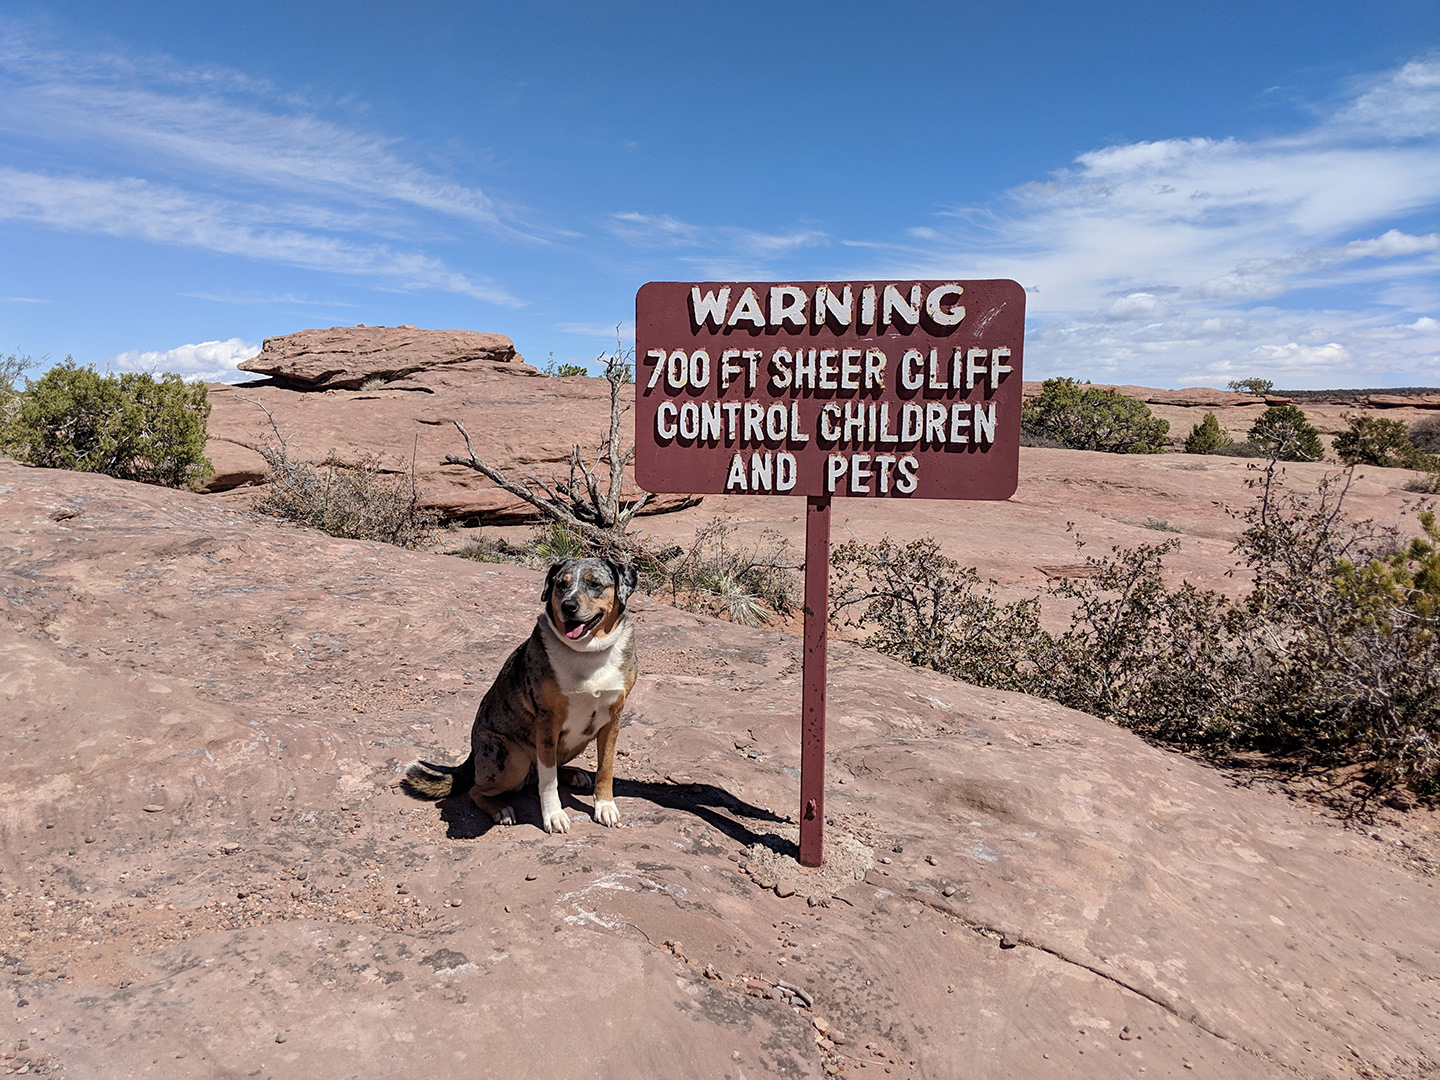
x=570 y=606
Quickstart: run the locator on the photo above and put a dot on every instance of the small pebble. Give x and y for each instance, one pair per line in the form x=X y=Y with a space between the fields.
x=152 y=808
x=22 y=1003
x=455 y=902
x=507 y=909
x=784 y=889
x=530 y=876
x=89 y=839
x=930 y=859
x=885 y=859
x=24 y=969
x=949 y=890
x=818 y=900
x=280 y=1036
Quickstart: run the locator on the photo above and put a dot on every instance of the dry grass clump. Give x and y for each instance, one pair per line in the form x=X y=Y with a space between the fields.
x=355 y=500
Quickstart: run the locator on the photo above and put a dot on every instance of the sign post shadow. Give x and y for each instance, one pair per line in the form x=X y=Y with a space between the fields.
x=879 y=390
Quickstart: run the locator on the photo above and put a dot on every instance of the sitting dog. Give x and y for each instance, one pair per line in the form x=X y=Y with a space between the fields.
x=564 y=687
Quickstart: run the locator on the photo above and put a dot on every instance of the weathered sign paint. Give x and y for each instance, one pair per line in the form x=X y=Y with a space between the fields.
x=906 y=389
x=858 y=389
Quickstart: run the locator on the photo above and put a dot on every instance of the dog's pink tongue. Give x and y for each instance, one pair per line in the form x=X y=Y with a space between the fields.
x=579 y=631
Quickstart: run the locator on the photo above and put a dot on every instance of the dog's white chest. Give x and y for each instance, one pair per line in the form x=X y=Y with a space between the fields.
x=587 y=714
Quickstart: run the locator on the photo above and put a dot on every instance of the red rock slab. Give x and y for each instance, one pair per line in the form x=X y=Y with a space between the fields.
x=206 y=712
x=520 y=422
x=348 y=357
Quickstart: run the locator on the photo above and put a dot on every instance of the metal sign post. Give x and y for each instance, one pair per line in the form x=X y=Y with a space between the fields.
x=857 y=389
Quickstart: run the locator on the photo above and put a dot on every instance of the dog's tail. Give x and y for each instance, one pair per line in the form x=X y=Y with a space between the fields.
x=427 y=780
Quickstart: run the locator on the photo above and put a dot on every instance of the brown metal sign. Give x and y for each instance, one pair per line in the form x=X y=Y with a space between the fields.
x=908 y=389
x=860 y=389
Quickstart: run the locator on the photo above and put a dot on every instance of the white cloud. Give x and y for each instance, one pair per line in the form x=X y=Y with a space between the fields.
x=210 y=361
x=722 y=252
x=1200 y=239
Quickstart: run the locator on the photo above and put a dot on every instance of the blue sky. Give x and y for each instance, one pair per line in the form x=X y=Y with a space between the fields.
x=1189 y=193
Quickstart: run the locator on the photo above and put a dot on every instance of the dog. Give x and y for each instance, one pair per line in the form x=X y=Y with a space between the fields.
x=562 y=689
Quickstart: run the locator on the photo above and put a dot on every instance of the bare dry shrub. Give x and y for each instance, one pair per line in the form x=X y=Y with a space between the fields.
x=718 y=574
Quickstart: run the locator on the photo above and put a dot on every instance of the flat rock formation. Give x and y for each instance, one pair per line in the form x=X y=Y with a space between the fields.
x=420 y=381
x=206 y=871
x=348 y=357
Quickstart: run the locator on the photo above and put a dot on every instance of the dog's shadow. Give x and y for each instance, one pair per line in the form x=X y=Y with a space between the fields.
x=714 y=805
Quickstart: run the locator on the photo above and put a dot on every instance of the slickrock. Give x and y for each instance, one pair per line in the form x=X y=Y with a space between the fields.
x=162 y=648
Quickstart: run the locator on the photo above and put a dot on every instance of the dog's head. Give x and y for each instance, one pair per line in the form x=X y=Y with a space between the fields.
x=586 y=597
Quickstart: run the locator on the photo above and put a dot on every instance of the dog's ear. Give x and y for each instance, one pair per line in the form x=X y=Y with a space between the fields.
x=550 y=576
x=625 y=579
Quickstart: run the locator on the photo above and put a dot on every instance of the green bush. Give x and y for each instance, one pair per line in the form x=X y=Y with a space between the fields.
x=1331 y=660
x=1283 y=433
x=1207 y=436
x=131 y=426
x=1369 y=440
x=1425 y=435
x=1258 y=387
x=1088 y=418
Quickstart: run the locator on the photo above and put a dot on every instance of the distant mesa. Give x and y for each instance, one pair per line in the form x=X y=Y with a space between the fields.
x=348 y=357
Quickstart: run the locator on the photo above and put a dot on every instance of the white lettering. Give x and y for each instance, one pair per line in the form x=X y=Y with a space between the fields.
x=728 y=368
x=885 y=436
x=937 y=380
x=886 y=463
x=998 y=369
x=908 y=467
x=775 y=422
x=748 y=310
x=912 y=422
x=973 y=367
x=937 y=297
x=828 y=370
x=700 y=369
x=787 y=304
x=689 y=420
x=732 y=419
x=780 y=369
x=710 y=307
x=867 y=306
x=828 y=305
x=785 y=471
x=934 y=422
x=850 y=369
x=854 y=427
x=830 y=422
x=804 y=369
x=665 y=420
x=677 y=370
x=895 y=306
x=835 y=467
x=754 y=422
x=874 y=369
x=984 y=423
x=710 y=421
x=762 y=471
x=959 y=419
x=796 y=435
x=658 y=356
x=860 y=474
x=736 y=480
x=753 y=356
x=912 y=369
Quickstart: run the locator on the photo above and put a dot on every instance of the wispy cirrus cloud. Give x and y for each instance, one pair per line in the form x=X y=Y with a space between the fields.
x=718 y=251
x=143 y=148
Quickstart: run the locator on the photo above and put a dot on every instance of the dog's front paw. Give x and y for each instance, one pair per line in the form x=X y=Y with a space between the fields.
x=505 y=816
x=607 y=813
x=557 y=821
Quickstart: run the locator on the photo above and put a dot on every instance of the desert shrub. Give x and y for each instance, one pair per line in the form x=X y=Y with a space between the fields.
x=1332 y=659
x=1425 y=435
x=1352 y=636
x=131 y=426
x=354 y=500
x=1282 y=432
x=719 y=574
x=1370 y=440
x=1207 y=436
x=1242 y=448
x=928 y=610
x=1258 y=387
x=1088 y=418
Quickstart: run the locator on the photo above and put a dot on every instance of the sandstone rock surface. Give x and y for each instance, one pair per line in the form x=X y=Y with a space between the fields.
x=348 y=357
x=1060 y=899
